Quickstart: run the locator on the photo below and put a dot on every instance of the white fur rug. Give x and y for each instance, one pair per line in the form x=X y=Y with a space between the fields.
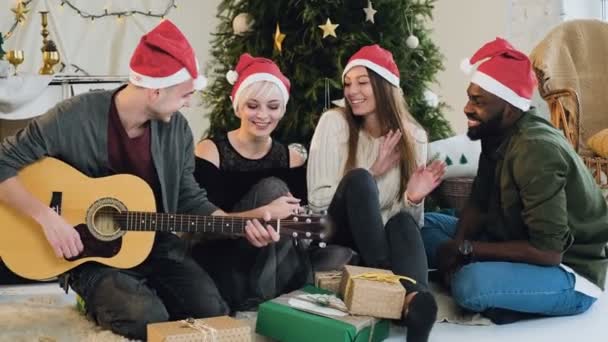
x=48 y=318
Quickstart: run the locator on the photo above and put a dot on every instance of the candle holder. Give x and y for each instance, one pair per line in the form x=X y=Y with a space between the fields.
x=44 y=32
x=50 y=55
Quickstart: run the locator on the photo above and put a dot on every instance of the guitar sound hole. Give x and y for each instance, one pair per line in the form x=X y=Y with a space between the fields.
x=105 y=222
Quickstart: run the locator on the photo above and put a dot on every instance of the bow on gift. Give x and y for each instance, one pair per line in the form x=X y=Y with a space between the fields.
x=375 y=276
x=208 y=332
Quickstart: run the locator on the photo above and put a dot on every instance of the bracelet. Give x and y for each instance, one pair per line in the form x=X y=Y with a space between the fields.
x=410 y=203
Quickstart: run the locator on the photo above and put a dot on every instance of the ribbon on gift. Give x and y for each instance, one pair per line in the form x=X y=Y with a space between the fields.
x=329 y=275
x=208 y=332
x=375 y=276
x=323 y=300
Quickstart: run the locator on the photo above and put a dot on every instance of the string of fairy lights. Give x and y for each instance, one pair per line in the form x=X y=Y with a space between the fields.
x=119 y=14
x=21 y=9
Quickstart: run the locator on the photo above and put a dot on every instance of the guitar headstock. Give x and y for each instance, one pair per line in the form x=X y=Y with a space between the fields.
x=306 y=226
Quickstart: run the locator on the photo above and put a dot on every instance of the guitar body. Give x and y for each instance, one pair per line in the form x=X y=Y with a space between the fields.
x=23 y=246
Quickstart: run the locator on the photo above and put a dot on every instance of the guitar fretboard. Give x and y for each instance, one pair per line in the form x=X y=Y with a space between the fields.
x=162 y=222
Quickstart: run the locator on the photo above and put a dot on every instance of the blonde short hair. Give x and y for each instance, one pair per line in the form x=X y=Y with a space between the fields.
x=260 y=91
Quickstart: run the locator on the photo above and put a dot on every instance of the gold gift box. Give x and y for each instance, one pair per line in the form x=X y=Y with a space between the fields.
x=214 y=329
x=372 y=292
x=329 y=281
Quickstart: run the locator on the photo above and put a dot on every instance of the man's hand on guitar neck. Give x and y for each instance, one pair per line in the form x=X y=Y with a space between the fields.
x=255 y=232
x=258 y=235
x=64 y=239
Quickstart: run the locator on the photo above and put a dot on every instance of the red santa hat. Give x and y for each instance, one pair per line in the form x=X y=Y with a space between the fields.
x=377 y=59
x=255 y=69
x=164 y=58
x=504 y=72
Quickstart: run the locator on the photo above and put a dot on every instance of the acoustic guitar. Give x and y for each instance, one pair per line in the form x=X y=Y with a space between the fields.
x=115 y=218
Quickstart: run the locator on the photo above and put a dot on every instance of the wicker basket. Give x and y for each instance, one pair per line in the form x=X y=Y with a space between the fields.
x=454 y=192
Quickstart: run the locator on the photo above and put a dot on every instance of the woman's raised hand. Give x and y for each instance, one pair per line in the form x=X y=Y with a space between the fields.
x=424 y=180
x=389 y=155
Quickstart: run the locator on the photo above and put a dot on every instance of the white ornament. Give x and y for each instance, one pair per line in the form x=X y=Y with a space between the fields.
x=232 y=76
x=242 y=23
x=431 y=98
x=412 y=41
x=369 y=12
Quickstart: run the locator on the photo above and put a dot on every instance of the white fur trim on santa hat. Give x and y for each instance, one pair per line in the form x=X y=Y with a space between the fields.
x=262 y=76
x=180 y=76
x=493 y=86
x=382 y=71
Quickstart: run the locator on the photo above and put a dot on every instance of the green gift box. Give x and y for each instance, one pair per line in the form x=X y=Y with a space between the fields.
x=278 y=320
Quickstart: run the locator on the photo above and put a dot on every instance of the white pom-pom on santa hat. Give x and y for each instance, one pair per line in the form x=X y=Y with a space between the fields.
x=466 y=66
x=232 y=76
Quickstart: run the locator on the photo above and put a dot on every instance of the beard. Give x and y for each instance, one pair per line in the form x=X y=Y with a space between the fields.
x=485 y=129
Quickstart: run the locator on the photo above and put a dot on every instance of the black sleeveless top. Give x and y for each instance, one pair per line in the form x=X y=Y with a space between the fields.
x=227 y=184
x=232 y=160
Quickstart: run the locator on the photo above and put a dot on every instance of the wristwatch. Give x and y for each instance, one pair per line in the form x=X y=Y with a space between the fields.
x=466 y=250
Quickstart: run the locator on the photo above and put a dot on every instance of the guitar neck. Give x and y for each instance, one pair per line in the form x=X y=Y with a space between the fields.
x=162 y=222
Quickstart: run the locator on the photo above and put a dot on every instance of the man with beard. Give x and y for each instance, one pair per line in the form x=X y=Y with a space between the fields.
x=532 y=239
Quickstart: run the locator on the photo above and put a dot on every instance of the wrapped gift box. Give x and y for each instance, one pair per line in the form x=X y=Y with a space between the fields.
x=214 y=329
x=279 y=319
x=372 y=292
x=329 y=281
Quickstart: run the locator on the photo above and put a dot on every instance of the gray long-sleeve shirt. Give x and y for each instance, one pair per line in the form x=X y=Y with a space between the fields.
x=76 y=131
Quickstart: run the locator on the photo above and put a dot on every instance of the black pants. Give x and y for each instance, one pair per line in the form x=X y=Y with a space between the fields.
x=168 y=285
x=355 y=214
x=247 y=275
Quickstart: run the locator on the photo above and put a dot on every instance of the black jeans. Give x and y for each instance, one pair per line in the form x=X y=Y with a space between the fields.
x=168 y=285
x=355 y=214
x=247 y=275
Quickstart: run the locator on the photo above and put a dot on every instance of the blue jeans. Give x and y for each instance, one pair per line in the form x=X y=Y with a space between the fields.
x=506 y=285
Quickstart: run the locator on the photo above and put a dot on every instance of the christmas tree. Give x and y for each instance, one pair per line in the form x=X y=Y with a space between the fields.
x=311 y=41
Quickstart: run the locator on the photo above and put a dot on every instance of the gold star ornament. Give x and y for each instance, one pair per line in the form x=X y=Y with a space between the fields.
x=20 y=12
x=329 y=29
x=278 y=39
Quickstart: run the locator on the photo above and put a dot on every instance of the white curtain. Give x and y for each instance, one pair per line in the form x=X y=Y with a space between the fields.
x=102 y=46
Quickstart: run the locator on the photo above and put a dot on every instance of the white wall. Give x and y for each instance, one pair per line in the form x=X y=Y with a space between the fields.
x=461 y=27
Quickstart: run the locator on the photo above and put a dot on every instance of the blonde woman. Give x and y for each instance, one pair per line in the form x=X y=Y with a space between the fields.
x=246 y=169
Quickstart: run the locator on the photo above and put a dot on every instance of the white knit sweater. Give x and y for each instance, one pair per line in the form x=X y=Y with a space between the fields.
x=328 y=154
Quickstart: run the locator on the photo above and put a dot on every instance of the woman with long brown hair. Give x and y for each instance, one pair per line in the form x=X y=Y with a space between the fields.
x=367 y=168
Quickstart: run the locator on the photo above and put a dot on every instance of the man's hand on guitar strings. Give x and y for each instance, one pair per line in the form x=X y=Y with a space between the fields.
x=258 y=235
